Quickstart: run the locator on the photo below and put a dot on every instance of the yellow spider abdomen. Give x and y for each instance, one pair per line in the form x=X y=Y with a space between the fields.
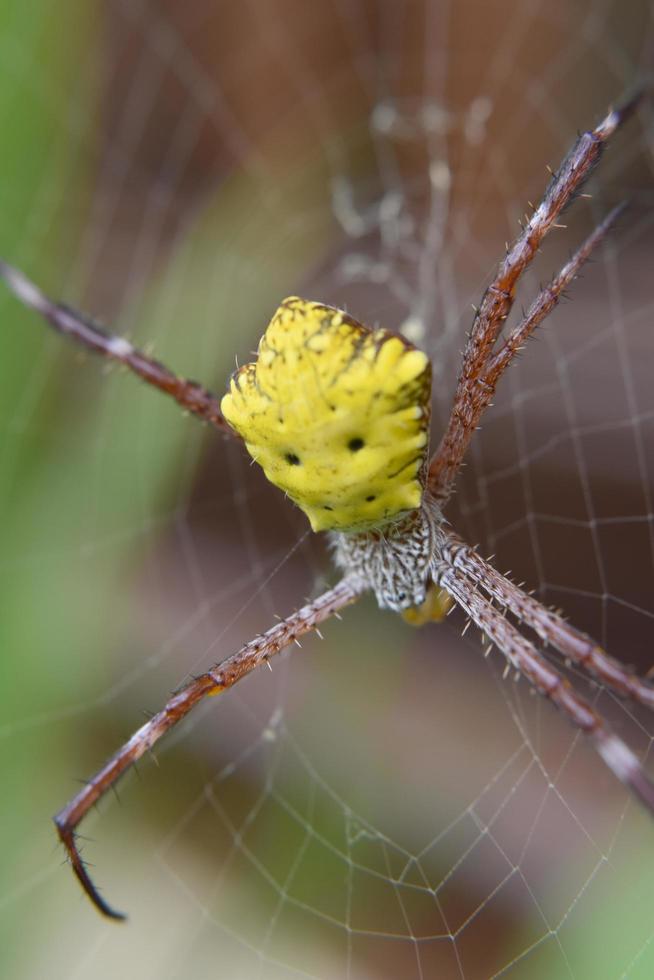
x=337 y=414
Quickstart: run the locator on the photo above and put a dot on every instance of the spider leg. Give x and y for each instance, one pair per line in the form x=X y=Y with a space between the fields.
x=189 y=394
x=522 y=655
x=542 y=306
x=474 y=389
x=218 y=678
x=549 y=626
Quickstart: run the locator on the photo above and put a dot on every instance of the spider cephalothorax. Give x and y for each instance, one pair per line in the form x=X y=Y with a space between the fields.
x=394 y=560
x=338 y=416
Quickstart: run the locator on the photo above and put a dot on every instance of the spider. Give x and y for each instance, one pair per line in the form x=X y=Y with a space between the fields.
x=338 y=416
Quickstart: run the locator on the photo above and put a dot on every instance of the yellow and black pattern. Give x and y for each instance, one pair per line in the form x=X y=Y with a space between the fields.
x=337 y=414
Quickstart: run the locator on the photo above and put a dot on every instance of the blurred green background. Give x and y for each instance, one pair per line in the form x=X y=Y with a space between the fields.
x=382 y=804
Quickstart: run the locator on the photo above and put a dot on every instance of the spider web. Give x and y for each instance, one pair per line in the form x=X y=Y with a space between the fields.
x=384 y=803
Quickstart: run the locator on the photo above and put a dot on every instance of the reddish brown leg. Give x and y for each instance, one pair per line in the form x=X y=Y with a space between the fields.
x=527 y=660
x=549 y=626
x=480 y=370
x=189 y=394
x=219 y=678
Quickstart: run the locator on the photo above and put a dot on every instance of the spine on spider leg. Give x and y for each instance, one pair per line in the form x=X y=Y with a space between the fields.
x=576 y=168
x=547 y=299
x=475 y=386
x=84 y=331
x=529 y=662
x=218 y=678
x=549 y=626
